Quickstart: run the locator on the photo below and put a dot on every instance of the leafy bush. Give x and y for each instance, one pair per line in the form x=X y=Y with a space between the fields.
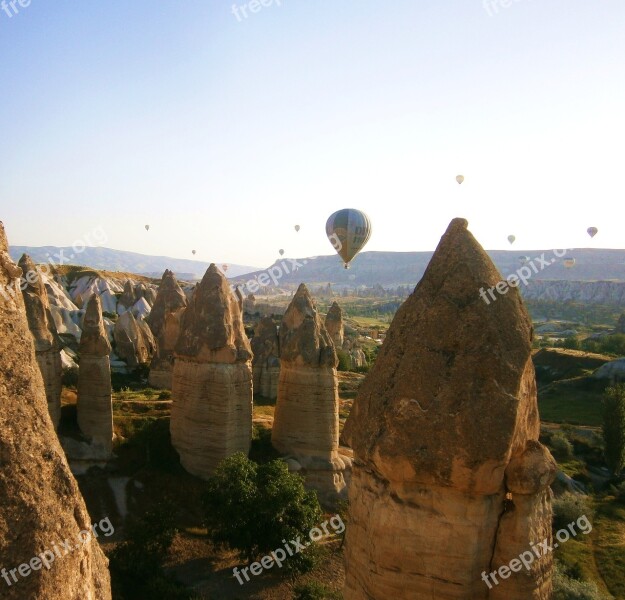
x=345 y=361
x=562 y=447
x=314 y=591
x=570 y=507
x=567 y=588
x=136 y=564
x=252 y=508
x=70 y=377
x=614 y=428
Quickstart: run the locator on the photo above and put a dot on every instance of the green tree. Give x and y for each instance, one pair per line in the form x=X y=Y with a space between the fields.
x=614 y=428
x=252 y=508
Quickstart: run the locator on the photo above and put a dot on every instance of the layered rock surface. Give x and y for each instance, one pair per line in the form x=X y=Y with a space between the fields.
x=41 y=502
x=95 y=403
x=164 y=321
x=306 y=422
x=449 y=479
x=266 y=363
x=43 y=329
x=134 y=342
x=211 y=415
x=334 y=325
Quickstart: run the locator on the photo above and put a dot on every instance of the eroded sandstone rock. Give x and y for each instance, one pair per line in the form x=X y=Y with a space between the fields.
x=164 y=321
x=43 y=329
x=41 y=503
x=134 y=342
x=449 y=480
x=306 y=422
x=266 y=363
x=334 y=325
x=95 y=403
x=211 y=415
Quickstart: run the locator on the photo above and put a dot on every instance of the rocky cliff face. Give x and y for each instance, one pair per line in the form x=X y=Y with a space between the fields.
x=164 y=321
x=306 y=422
x=43 y=329
x=449 y=477
x=592 y=292
x=95 y=402
x=41 y=503
x=134 y=341
x=211 y=416
x=266 y=363
x=334 y=325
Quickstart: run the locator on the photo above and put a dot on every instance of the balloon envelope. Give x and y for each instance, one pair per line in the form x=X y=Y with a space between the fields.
x=147 y=228
x=193 y=252
x=460 y=178
x=348 y=231
x=524 y=259
x=297 y=228
x=592 y=231
x=511 y=239
x=281 y=252
x=569 y=262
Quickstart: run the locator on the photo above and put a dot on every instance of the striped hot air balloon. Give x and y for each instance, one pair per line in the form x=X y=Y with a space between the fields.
x=348 y=230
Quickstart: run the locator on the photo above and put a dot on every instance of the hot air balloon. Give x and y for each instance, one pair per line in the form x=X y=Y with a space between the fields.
x=193 y=252
x=147 y=228
x=592 y=231
x=297 y=228
x=524 y=259
x=511 y=239
x=281 y=251
x=348 y=231
x=225 y=268
x=460 y=178
x=569 y=263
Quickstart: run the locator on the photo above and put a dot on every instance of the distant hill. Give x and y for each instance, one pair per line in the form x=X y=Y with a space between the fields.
x=120 y=260
x=401 y=268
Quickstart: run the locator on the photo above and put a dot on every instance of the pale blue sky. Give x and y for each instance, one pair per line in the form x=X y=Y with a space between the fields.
x=223 y=134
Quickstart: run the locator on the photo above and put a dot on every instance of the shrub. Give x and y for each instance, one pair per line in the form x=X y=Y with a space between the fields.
x=562 y=447
x=70 y=377
x=345 y=361
x=567 y=588
x=570 y=507
x=314 y=591
x=614 y=428
x=253 y=508
x=136 y=564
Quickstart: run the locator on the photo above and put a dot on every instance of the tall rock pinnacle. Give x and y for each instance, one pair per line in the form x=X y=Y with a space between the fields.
x=306 y=423
x=211 y=416
x=164 y=321
x=41 y=502
x=449 y=477
x=41 y=324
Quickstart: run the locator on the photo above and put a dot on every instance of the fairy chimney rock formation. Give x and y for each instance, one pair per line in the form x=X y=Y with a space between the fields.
x=164 y=321
x=95 y=404
x=334 y=325
x=211 y=415
x=43 y=329
x=41 y=502
x=266 y=363
x=134 y=342
x=449 y=478
x=306 y=423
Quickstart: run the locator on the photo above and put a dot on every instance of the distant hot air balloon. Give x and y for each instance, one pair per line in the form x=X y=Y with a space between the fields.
x=592 y=231
x=297 y=228
x=348 y=231
x=511 y=239
x=193 y=252
x=460 y=178
x=281 y=252
x=569 y=263
x=225 y=268
x=524 y=259
x=147 y=228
